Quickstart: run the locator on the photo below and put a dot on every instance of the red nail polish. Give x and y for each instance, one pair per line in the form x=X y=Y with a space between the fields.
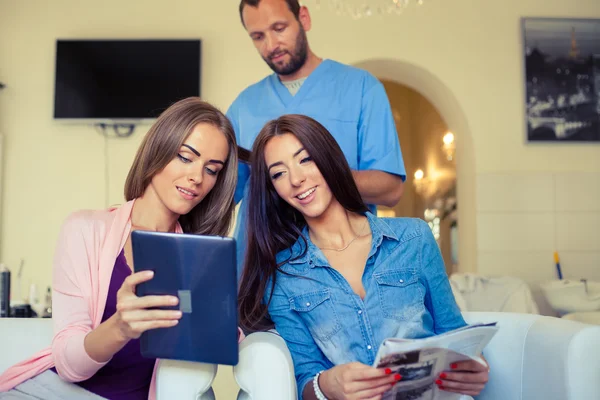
x=453 y=366
x=442 y=376
x=438 y=382
x=397 y=377
x=388 y=371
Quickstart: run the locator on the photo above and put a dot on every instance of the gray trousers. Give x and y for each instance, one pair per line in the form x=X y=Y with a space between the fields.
x=48 y=386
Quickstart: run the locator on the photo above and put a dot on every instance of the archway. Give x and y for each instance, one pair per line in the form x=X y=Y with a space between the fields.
x=444 y=100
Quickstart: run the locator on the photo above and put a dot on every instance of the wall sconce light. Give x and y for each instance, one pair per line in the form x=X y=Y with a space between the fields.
x=449 y=146
x=420 y=182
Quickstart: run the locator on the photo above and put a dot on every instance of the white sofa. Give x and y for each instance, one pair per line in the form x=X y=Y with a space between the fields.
x=531 y=357
x=265 y=354
x=22 y=337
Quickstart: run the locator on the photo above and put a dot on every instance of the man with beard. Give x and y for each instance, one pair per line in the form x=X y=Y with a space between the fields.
x=350 y=102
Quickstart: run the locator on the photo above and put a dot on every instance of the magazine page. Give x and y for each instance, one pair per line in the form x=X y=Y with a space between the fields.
x=469 y=340
x=421 y=361
x=419 y=370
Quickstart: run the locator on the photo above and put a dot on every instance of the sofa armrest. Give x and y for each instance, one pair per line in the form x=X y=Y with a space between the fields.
x=538 y=357
x=23 y=337
x=265 y=370
x=20 y=338
x=184 y=380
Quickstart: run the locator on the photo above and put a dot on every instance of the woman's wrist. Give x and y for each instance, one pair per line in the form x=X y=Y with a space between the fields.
x=322 y=382
x=104 y=341
x=117 y=334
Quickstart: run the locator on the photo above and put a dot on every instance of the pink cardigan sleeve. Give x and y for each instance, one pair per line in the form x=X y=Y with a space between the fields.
x=72 y=299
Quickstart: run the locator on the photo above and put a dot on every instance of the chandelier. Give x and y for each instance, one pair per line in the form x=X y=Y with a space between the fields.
x=366 y=8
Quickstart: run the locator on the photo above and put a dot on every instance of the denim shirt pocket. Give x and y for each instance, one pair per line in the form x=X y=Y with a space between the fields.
x=318 y=313
x=400 y=294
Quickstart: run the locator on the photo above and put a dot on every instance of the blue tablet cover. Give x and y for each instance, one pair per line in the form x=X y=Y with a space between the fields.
x=201 y=272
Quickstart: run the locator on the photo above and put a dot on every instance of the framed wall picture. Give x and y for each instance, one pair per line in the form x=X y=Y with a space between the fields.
x=562 y=79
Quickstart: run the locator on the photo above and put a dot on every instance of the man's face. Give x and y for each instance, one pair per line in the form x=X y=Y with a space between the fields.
x=277 y=35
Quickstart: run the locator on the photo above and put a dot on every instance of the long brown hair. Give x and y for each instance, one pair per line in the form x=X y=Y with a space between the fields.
x=161 y=144
x=273 y=225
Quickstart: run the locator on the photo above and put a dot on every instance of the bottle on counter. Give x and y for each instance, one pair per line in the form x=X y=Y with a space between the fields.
x=47 y=313
x=4 y=291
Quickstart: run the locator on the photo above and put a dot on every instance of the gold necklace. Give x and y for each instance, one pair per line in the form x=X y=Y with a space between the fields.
x=349 y=243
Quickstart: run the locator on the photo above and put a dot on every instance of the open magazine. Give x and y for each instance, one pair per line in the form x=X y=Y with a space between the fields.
x=421 y=361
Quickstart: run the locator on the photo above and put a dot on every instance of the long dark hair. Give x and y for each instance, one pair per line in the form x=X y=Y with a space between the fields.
x=273 y=225
x=214 y=214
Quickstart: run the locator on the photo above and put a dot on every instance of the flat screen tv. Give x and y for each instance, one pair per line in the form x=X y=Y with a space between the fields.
x=123 y=80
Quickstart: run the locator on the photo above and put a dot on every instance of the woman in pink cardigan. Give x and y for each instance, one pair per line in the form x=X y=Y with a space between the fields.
x=182 y=180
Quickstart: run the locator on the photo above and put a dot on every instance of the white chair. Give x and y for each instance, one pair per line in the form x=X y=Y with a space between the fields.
x=531 y=357
x=539 y=357
x=474 y=292
x=265 y=355
x=20 y=338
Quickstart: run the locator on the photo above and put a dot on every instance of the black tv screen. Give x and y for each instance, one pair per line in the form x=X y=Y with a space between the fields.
x=123 y=79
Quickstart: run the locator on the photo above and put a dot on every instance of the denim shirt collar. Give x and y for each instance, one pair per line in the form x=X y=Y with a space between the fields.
x=302 y=261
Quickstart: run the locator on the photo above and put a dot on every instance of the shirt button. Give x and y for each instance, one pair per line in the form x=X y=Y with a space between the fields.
x=401 y=280
x=359 y=312
x=369 y=347
x=307 y=304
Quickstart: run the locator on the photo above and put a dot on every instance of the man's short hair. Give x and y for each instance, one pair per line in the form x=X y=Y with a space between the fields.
x=293 y=5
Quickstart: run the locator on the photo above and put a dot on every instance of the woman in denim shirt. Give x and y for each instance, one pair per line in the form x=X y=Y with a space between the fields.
x=335 y=279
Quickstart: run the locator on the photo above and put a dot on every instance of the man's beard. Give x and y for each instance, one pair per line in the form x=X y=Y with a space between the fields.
x=297 y=59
